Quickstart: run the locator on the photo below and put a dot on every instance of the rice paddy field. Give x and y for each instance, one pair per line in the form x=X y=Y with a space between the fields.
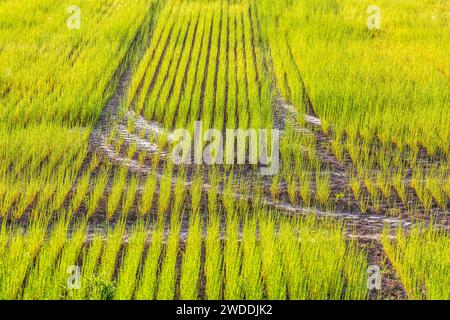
x=349 y=199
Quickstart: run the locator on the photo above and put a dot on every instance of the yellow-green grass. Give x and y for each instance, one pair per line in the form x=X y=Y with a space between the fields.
x=421 y=258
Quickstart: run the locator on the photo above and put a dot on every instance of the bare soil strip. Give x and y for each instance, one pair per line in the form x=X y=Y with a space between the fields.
x=391 y=286
x=188 y=65
x=216 y=72
x=244 y=53
x=259 y=73
x=205 y=73
x=227 y=66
